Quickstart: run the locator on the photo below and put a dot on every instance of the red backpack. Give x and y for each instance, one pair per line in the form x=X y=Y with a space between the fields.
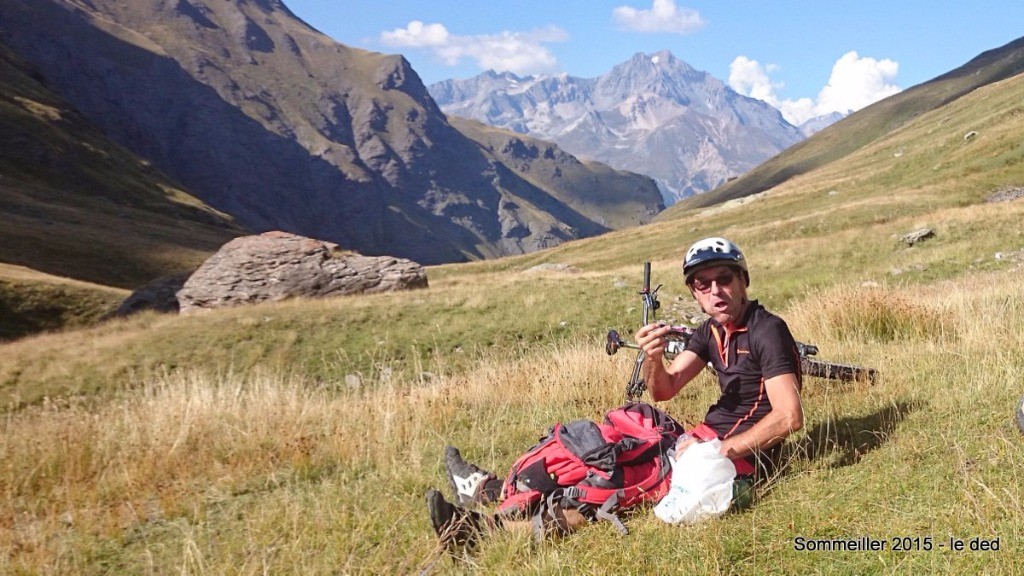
x=599 y=469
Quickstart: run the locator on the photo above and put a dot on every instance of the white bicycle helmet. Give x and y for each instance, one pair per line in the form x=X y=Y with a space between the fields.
x=713 y=252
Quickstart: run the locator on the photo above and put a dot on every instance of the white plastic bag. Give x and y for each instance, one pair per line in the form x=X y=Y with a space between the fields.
x=701 y=485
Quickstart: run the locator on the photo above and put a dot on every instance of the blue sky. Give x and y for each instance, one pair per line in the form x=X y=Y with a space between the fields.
x=806 y=58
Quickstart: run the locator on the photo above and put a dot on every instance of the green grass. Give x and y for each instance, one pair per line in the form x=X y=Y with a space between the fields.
x=32 y=302
x=32 y=307
x=329 y=340
x=254 y=470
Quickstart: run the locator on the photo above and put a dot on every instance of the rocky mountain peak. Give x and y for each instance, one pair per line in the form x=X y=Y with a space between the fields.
x=661 y=74
x=660 y=63
x=653 y=114
x=396 y=73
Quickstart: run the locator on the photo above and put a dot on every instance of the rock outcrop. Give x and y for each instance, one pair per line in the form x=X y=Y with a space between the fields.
x=277 y=265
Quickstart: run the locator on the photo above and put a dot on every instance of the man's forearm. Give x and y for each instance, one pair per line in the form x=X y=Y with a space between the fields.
x=774 y=428
x=786 y=417
x=664 y=382
x=658 y=379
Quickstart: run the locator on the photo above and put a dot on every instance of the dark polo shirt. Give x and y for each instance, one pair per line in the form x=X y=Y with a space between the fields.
x=761 y=349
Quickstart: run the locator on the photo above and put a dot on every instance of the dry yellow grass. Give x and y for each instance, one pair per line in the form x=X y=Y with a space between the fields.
x=214 y=473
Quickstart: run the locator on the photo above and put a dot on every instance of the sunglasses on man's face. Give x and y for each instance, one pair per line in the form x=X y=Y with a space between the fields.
x=703 y=285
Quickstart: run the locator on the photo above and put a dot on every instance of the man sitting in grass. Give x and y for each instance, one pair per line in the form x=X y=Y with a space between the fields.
x=751 y=351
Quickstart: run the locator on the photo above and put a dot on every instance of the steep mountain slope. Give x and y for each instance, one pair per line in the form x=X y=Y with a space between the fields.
x=867 y=125
x=653 y=114
x=596 y=192
x=74 y=204
x=272 y=122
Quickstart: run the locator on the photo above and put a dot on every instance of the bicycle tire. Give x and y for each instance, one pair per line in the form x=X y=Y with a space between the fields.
x=841 y=372
x=1020 y=415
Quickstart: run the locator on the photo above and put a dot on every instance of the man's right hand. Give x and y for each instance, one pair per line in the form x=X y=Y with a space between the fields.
x=663 y=382
x=651 y=339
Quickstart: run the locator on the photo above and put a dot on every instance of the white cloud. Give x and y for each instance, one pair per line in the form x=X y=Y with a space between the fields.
x=517 y=52
x=416 y=35
x=855 y=82
x=750 y=78
x=663 y=16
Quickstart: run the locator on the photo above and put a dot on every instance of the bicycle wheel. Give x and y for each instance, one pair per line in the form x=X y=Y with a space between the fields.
x=833 y=371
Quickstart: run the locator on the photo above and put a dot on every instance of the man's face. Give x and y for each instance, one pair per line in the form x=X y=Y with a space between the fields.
x=721 y=292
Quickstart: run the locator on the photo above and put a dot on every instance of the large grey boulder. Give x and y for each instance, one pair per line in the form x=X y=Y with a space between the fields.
x=277 y=265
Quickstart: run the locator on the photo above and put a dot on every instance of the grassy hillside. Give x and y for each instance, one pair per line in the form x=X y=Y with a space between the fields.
x=865 y=126
x=200 y=470
x=32 y=302
x=300 y=437
x=76 y=205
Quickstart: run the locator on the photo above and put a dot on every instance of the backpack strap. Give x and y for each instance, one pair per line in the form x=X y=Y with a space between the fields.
x=549 y=519
x=605 y=512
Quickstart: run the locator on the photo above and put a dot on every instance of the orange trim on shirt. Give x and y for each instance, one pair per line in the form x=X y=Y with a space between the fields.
x=723 y=350
x=753 y=410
